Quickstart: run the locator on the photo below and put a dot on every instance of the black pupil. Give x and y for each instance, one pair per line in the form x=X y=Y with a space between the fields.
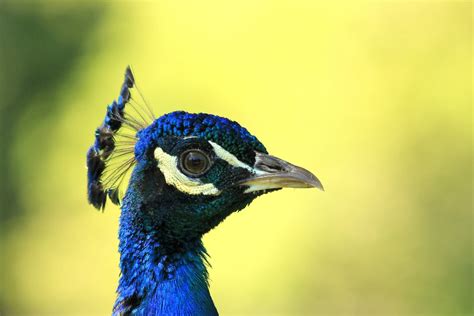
x=195 y=162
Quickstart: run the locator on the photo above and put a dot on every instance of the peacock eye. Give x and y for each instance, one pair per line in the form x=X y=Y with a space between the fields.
x=194 y=162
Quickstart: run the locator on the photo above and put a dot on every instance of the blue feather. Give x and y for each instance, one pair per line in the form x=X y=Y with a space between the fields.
x=190 y=172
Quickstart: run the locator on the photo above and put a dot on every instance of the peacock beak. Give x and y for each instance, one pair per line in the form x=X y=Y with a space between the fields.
x=274 y=173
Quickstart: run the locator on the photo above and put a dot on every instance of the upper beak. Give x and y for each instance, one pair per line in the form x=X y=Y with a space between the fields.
x=273 y=173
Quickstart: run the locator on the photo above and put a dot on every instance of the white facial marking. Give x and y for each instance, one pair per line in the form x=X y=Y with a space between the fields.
x=168 y=165
x=232 y=160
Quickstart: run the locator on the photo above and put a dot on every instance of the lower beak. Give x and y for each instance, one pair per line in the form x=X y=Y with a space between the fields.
x=274 y=173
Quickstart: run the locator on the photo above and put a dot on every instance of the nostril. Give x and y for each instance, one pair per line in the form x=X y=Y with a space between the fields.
x=268 y=163
x=270 y=167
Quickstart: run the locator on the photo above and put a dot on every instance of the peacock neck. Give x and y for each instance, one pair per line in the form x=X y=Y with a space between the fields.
x=158 y=278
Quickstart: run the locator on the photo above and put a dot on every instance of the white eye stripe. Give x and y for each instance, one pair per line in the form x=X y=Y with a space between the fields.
x=231 y=159
x=168 y=165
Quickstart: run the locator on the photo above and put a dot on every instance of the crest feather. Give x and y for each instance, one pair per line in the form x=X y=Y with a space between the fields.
x=111 y=156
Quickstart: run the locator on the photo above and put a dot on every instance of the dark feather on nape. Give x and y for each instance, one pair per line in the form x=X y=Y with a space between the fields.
x=126 y=305
x=114 y=116
x=105 y=140
x=112 y=156
x=97 y=196
x=113 y=194
x=129 y=79
x=95 y=164
x=95 y=167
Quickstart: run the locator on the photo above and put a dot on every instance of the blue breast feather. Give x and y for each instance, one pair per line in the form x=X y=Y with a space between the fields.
x=155 y=281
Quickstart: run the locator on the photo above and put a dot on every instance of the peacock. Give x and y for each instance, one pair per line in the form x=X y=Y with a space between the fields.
x=186 y=173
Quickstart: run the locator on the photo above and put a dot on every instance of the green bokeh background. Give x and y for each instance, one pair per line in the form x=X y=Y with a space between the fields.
x=374 y=97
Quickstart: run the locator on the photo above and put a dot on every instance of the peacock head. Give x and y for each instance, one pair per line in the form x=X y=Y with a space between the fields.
x=191 y=170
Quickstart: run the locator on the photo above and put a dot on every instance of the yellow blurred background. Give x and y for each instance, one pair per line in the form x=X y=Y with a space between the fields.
x=373 y=97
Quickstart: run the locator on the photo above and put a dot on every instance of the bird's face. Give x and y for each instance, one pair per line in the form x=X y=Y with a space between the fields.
x=198 y=168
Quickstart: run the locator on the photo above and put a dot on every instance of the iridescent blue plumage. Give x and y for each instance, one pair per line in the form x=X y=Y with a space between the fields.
x=229 y=134
x=190 y=172
x=159 y=274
